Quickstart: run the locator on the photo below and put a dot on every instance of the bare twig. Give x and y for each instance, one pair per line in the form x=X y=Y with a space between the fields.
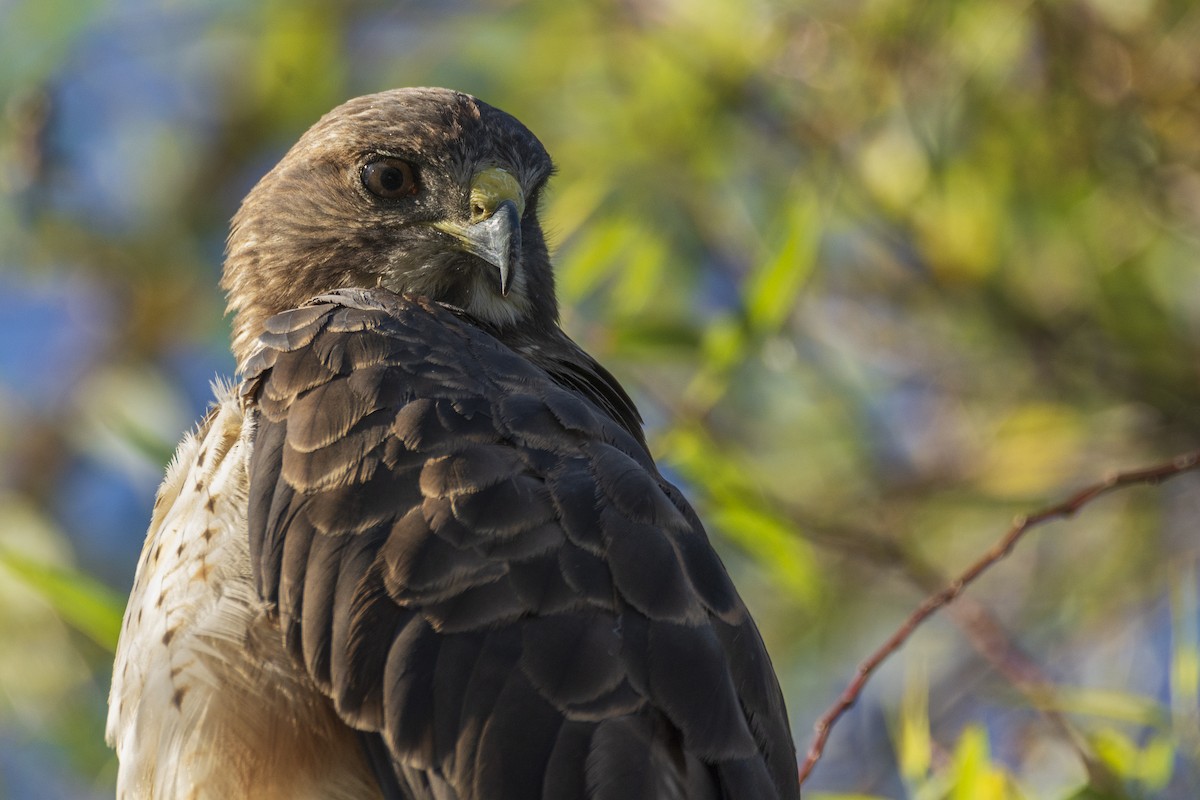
x=980 y=626
x=1020 y=526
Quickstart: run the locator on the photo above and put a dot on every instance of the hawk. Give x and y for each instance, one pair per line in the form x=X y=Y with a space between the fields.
x=421 y=549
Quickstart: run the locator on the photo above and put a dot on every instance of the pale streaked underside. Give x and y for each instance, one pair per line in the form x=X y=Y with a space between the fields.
x=205 y=704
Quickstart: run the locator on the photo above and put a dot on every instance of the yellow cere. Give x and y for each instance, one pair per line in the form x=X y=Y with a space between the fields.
x=490 y=188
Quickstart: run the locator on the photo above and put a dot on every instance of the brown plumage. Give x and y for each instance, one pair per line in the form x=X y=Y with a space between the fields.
x=441 y=541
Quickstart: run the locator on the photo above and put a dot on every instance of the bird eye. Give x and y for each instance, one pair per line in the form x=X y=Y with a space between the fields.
x=389 y=178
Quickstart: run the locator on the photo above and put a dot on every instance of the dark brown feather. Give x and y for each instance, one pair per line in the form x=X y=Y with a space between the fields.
x=475 y=557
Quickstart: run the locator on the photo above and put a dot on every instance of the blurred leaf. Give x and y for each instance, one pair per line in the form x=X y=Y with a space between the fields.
x=772 y=289
x=975 y=776
x=916 y=746
x=1118 y=751
x=300 y=70
x=592 y=257
x=894 y=167
x=723 y=345
x=1185 y=652
x=658 y=337
x=1108 y=704
x=1150 y=765
x=570 y=210
x=989 y=38
x=730 y=507
x=642 y=273
x=1031 y=450
x=773 y=544
x=131 y=417
x=36 y=35
x=1157 y=763
x=959 y=224
x=84 y=603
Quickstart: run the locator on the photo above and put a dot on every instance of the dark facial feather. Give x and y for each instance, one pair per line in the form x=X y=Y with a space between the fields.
x=310 y=227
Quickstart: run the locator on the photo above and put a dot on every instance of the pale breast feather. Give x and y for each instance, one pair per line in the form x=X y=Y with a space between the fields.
x=204 y=702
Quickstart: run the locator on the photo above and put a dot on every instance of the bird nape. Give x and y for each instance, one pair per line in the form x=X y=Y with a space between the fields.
x=421 y=550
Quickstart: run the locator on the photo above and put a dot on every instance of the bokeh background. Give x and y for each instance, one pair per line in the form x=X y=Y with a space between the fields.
x=881 y=275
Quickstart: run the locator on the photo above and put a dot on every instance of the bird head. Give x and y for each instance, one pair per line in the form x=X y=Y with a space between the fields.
x=427 y=192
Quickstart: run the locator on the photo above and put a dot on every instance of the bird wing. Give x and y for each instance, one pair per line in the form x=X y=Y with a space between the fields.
x=481 y=565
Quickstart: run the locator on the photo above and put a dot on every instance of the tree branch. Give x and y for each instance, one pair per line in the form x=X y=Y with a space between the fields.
x=982 y=629
x=1021 y=525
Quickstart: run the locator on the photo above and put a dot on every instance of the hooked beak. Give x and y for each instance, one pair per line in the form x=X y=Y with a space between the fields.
x=494 y=232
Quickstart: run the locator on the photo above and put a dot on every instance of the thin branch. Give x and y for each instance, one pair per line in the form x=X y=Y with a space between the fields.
x=1020 y=526
x=980 y=626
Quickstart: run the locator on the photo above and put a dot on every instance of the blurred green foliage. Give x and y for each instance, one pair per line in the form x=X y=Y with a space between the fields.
x=880 y=274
